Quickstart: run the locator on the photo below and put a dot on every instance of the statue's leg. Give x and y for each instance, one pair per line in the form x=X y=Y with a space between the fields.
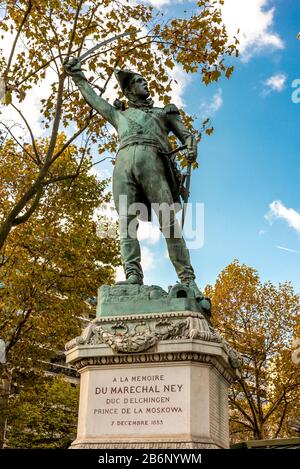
x=180 y=256
x=125 y=196
x=131 y=257
x=151 y=174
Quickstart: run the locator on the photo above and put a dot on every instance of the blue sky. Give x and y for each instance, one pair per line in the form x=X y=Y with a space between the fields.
x=249 y=172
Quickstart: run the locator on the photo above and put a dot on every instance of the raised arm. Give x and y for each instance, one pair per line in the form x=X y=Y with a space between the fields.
x=178 y=128
x=73 y=68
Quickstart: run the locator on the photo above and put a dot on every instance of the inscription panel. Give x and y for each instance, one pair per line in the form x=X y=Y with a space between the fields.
x=140 y=401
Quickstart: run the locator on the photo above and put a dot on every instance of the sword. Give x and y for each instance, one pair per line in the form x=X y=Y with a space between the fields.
x=186 y=193
x=171 y=153
x=186 y=179
x=101 y=44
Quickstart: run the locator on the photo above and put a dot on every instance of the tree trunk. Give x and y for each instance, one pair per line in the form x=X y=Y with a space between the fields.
x=259 y=433
x=5 y=384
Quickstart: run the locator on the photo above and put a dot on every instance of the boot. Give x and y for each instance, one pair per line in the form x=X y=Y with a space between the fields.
x=131 y=280
x=190 y=282
x=180 y=258
x=131 y=258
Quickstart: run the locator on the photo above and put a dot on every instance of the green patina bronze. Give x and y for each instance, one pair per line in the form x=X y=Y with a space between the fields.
x=123 y=300
x=142 y=173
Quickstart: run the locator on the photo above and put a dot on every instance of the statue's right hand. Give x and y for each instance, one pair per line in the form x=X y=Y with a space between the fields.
x=72 y=66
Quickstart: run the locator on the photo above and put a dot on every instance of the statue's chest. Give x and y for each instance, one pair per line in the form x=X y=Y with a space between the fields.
x=137 y=120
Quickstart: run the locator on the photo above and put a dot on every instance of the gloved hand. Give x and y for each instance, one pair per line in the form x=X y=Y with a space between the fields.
x=72 y=66
x=192 y=152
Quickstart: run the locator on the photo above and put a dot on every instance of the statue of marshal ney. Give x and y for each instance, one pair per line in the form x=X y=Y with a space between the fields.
x=140 y=174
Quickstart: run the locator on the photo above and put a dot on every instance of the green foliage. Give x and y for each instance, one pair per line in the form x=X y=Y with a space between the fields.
x=52 y=265
x=55 y=261
x=42 y=412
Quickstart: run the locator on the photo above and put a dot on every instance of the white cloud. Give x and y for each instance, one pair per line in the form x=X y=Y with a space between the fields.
x=148 y=232
x=180 y=81
x=255 y=21
x=210 y=108
x=31 y=105
x=30 y=108
x=120 y=276
x=275 y=83
x=147 y=261
x=104 y=173
x=159 y=3
x=288 y=249
x=278 y=210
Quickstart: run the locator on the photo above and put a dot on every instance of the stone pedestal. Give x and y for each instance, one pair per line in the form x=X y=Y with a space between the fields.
x=153 y=381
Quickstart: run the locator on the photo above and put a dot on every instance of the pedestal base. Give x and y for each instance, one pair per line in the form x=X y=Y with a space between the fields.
x=143 y=445
x=171 y=393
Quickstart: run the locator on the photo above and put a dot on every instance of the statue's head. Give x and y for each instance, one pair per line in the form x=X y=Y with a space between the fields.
x=133 y=85
x=138 y=87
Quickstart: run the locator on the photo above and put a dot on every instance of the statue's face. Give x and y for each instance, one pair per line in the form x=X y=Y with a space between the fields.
x=139 y=87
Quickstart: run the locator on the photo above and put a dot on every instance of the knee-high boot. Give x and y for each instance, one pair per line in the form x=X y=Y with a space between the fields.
x=180 y=258
x=131 y=258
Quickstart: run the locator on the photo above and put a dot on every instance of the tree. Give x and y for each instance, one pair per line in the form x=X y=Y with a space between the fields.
x=42 y=413
x=259 y=320
x=42 y=34
x=53 y=263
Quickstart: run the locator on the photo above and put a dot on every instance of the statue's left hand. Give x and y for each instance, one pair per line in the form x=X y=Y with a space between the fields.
x=192 y=155
x=191 y=150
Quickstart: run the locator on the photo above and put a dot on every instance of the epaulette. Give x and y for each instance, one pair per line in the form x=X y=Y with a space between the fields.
x=171 y=109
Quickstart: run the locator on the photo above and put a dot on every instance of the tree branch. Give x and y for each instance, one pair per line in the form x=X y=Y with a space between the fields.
x=37 y=70
x=8 y=223
x=55 y=35
x=87 y=28
x=101 y=161
x=283 y=415
x=31 y=134
x=51 y=52
x=27 y=12
x=17 y=141
x=25 y=217
x=60 y=178
x=250 y=401
x=240 y=408
x=18 y=331
x=58 y=111
x=74 y=26
x=242 y=423
x=48 y=18
x=279 y=400
x=65 y=146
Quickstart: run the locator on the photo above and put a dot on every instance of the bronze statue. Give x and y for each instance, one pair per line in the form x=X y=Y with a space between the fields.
x=141 y=174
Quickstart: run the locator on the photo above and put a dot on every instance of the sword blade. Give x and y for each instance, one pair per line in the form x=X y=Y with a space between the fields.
x=186 y=194
x=101 y=44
